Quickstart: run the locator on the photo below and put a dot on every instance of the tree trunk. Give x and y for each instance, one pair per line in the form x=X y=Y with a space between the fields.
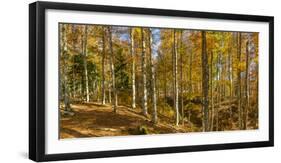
x=218 y=91
x=115 y=102
x=190 y=84
x=205 y=82
x=109 y=91
x=246 y=88
x=103 y=66
x=181 y=80
x=165 y=83
x=257 y=98
x=73 y=69
x=153 y=78
x=64 y=73
x=144 y=101
x=175 y=76
x=94 y=90
x=85 y=38
x=230 y=70
x=211 y=94
x=133 y=69
x=239 y=80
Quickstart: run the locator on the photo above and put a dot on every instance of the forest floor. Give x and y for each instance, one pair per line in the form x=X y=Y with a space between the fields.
x=95 y=120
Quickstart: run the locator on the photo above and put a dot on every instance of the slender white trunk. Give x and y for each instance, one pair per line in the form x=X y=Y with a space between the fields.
x=115 y=102
x=64 y=73
x=205 y=83
x=144 y=105
x=181 y=79
x=109 y=92
x=94 y=89
x=175 y=69
x=85 y=62
x=103 y=64
x=190 y=83
x=212 y=96
x=133 y=69
x=154 y=99
x=246 y=88
x=239 y=81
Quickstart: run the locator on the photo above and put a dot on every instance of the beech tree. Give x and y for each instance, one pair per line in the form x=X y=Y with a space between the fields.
x=133 y=68
x=144 y=104
x=154 y=98
x=84 y=53
x=205 y=82
x=239 y=81
x=64 y=78
x=103 y=65
x=175 y=76
x=246 y=88
x=115 y=102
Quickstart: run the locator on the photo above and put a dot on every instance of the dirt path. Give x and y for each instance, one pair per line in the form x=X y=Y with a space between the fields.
x=94 y=120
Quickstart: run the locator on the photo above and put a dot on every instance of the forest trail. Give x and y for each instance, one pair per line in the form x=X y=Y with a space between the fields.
x=96 y=120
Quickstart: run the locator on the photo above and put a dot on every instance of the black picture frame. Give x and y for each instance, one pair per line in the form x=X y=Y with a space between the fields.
x=37 y=80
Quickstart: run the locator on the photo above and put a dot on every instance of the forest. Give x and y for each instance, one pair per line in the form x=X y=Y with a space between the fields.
x=120 y=80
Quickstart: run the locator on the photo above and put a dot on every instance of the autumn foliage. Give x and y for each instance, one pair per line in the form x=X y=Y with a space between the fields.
x=118 y=80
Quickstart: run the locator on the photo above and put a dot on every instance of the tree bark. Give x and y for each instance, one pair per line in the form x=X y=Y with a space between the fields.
x=109 y=91
x=190 y=83
x=103 y=66
x=246 y=88
x=205 y=82
x=230 y=71
x=73 y=67
x=218 y=90
x=133 y=69
x=165 y=82
x=153 y=78
x=211 y=94
x=144 y=101
x=239 y=80
x=257 y=96
x=85 y=38
x=175 y=76
x=181 y=79
x=64 y=73
x=115 y=102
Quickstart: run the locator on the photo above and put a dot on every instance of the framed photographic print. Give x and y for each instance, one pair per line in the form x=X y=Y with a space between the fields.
x=118 y=81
